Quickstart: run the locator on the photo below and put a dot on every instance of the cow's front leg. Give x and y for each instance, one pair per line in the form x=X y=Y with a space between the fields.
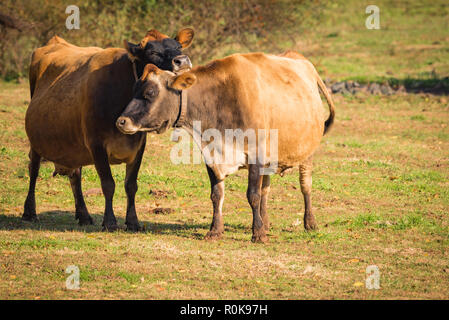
x=217 y=196
x=81 y=212
x=254 y=198
x=107 y=186
x=132 y=170
x=305 y=179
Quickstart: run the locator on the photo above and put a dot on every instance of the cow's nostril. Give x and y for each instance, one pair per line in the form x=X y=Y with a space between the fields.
x=177 y=62
x=121 y=122
x=126 y=125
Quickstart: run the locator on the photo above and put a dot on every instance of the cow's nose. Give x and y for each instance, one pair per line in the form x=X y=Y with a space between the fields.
x=121 y=121
x=181 y=62
x=125 y=125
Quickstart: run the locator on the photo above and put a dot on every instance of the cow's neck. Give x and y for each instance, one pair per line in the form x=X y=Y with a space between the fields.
x=138 y=67
x=203 y=104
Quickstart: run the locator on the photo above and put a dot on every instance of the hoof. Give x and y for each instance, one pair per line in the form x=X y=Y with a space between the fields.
x=133 y=227
x=259 y=238
x=85 y=220
x=310 y=226
x=30 y=217
x=110 y=228
x=213 y=235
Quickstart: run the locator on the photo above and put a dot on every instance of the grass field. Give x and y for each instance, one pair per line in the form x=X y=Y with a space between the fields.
x=411 y=44
x=381 y=196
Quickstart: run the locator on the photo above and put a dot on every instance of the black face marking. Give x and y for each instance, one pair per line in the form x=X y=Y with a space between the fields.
x=161 y=53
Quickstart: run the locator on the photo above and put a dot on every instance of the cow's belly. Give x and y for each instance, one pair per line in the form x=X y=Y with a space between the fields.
x=291 y=148
x=71 y=152
x=60 y=138
x=70 y=155
x=56 y=135
x=289 y=151
x=67 y=153
x=300 y=130
x=295 y=149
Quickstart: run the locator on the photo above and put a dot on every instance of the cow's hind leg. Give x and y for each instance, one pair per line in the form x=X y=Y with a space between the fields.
x=29 y=213
x=254 y=198
x=107 y=186
x=81 y=212
x=263 y=201
x=305 y=179
x=132 y=170
x=217 y=196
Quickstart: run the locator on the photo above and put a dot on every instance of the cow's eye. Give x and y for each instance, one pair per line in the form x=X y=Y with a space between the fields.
x=149 y=94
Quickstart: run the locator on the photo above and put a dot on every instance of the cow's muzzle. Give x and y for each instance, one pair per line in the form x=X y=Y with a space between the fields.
x=126 y=125
x=181 y=63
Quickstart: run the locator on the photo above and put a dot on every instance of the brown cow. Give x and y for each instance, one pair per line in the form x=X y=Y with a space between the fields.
x=77 y=95
x=243 y=91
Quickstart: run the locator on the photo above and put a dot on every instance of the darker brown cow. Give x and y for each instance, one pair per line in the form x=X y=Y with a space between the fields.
x=77 y=95
x=241 y=93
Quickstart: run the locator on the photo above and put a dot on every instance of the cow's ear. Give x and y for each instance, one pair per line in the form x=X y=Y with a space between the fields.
x=148 y=70
x=185 y=37
x=134 y=50
x=152 y=35
x=183 y=81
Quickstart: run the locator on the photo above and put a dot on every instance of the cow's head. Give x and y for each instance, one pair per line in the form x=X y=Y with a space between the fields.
x=161 y=50
x=156 y=101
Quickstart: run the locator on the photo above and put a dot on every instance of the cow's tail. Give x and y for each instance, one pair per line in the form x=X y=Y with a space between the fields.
x=32 y=78
x=323 y=89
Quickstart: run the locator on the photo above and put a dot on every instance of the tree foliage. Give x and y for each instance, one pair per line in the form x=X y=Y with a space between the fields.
x=221 y=27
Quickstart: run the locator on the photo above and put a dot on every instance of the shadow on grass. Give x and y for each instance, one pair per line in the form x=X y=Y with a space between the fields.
x=433 y=84
x=62 y=221
x=426 y=83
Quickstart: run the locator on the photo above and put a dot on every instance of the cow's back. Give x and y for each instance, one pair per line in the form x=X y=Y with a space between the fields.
x=55 y=58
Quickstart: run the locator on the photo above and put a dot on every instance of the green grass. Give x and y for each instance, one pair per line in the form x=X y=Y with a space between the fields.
x=411 y=47
x=380 y=197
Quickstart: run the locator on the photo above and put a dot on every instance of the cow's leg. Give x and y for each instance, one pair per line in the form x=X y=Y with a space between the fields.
x=81 y=212
x=217 y=190
x=29 y=212
x=132 y=170
x=263 y=201
x=305 y=179
x=107 y=185
x=254 y=198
